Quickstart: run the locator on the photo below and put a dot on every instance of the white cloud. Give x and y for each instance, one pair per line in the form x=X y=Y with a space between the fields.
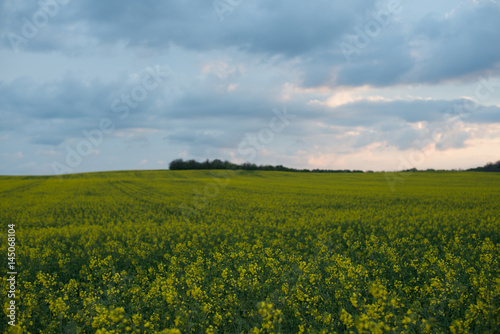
x=47 y=153
x=12 y=156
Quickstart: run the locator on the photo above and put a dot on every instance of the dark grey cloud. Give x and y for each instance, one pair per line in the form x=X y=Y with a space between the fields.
x=48 y=139
x=47 y=113
x=386 y=61
x=282 y=27
x=434 y=49
x=69 y=98
x=464 y=43
x=457 y=47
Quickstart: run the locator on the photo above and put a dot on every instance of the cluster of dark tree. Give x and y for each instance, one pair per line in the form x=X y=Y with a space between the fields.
x=489 y=167
x=180 y=164
x=331 y=171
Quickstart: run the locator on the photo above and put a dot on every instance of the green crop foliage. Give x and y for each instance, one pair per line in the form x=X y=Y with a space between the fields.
x=269 y=252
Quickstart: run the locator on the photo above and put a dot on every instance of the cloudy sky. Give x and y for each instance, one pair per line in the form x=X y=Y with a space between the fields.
x=374 y=85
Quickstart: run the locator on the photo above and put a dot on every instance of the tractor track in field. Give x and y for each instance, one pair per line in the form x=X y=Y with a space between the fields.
x=21 y=188
x=142 y=194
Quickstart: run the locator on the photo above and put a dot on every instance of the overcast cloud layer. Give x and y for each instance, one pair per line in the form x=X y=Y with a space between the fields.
x=372 y=85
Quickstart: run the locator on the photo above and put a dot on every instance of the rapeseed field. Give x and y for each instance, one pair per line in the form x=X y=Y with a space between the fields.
x=266 y=252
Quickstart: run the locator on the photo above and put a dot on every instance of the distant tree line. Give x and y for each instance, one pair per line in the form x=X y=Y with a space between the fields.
x=180 y=164
x=489 y=167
